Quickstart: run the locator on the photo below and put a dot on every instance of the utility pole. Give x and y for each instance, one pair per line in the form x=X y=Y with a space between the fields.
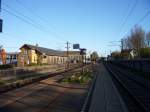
x=113 y=43
x=121 y=44
x=67 y=54
x=0 y=28
x=0 y=5
x=1 y=21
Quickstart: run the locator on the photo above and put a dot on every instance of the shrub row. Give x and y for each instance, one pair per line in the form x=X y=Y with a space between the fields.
x=6 y=66
x=145 y=52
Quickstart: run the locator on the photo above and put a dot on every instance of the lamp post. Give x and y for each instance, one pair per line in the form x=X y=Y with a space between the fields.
x=82 y=52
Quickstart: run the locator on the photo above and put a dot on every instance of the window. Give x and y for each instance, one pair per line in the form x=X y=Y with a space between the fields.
x=15 y=57
x=44 y=56
x=34 y=59
x=25 y=52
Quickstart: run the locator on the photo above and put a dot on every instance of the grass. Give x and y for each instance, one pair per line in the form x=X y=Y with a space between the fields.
x=6 y=66
x=80 y=78
x=2 y=82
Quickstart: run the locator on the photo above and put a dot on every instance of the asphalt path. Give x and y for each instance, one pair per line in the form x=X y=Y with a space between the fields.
x=106 y=97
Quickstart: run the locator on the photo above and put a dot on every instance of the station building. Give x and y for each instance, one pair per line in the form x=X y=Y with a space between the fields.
x=31 y=54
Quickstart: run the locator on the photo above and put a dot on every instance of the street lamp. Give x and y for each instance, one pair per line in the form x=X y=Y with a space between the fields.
x=82 y=52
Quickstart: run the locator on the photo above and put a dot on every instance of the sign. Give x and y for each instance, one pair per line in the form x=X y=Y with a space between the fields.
x=76 y=46
x=1 y=25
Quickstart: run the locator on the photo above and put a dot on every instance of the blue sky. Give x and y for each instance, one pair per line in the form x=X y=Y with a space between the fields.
x=91 y=23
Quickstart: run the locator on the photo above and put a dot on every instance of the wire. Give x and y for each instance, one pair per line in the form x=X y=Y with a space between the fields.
x=129 y=14
x=30 y=21
x=24 y=20
x=23 y=15
x=142 y=18
x=39 y=17
x=26 y=8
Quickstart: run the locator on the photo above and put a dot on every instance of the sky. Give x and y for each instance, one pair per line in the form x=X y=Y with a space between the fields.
x=93 y=24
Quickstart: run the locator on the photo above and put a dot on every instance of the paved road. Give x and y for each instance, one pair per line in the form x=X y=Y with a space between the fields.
x=44 y=96
x=105 y=95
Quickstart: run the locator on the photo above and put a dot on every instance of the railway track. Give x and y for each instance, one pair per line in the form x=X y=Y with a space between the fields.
x=135 y=94
x=44 y=97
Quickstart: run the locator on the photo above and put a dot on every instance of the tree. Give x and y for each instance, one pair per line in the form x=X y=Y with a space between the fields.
x=126 y=43
x=3 y=56
x=145 y=52
x=148 y=39
x=94 y=56
x=116 y=55
x=136 y=39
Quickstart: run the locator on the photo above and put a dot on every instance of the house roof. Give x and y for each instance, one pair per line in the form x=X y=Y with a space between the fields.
x=72 y=52
x=44 y=50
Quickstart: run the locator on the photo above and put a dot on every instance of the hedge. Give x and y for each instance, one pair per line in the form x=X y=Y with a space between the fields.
x=6 y=66
x=145 y=52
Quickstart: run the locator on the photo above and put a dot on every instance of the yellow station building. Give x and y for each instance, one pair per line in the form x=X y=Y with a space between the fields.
x=31 y=54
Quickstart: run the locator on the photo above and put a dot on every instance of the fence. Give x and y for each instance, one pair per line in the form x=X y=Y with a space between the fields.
x=140 y=65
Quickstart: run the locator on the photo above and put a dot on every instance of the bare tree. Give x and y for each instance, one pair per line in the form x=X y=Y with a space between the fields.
x=136 y=39
x=148 y=39
x=127 y=43
x=94 y=56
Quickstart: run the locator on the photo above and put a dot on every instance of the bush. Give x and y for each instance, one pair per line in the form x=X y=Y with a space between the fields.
x=116 y=55
x=2 y=82
x=145 y=52
x=79 y=78
x=6 y=66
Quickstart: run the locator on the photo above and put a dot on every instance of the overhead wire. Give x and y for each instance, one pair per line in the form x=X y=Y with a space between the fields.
x=19 y=17
x=144 y=16
x=141 y=19
x=129 y=14
x=30 y=21
x=36 y=15
x=27 y=9
x=28 y=18
x=124 y=21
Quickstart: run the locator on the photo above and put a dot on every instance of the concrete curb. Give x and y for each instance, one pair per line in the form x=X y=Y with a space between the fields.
x=87 y=102
x=20 y=83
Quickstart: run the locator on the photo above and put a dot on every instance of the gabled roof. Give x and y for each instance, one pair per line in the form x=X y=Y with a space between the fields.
x=44 y=50
x=72 y=52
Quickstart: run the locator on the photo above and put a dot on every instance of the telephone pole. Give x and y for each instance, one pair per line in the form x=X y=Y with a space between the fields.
x=0 y=5
x=115 y=43
x=67 y=54
x=121 y=44
x=1 y=21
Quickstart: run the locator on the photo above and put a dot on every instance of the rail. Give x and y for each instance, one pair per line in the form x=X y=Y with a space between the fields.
x=132 y=90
